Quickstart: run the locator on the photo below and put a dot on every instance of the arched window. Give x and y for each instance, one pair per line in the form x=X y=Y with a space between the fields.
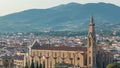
x=89 y=42
x=63 y=55
x=55 y=54
x=78 y=58
x=69 y=55
x=89 y=60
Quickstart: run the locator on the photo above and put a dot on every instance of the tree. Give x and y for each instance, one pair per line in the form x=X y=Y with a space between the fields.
x=32 y=64
x=40 y=65
x=37 y=65
x=109 y=66
x=114 y=65
x=26 y=65
x=43 y=64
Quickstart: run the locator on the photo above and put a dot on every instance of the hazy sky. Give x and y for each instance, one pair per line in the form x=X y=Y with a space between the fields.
x=11 y=6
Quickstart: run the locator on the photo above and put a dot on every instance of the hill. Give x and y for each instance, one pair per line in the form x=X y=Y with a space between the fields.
x=66 y=17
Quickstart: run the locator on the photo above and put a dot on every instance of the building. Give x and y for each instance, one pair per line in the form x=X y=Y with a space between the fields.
x=50 y=56
x=91 y=46
x=16 y=61
x=6 y=61
x=83 y=57
x=59 y=54
x=19 y=61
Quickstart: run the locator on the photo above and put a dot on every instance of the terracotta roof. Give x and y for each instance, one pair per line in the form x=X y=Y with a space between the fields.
x=6 y=57
x=21 y=57
x=66 y=48
x=17 y=57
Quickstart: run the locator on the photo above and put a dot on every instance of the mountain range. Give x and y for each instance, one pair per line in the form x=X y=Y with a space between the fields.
x=65 y=17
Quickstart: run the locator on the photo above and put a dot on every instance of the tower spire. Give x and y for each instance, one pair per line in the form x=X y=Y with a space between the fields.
x=91 y=28
x=91 y=19
x=91 y=42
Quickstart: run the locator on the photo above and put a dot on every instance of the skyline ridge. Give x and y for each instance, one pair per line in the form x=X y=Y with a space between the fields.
x=72 y=3
x=69 y=17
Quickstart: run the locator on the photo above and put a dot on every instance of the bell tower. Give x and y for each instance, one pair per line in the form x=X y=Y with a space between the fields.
x=91 y=46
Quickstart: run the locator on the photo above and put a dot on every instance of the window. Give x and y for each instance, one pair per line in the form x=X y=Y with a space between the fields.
x=63 y=55
x=6 y=65
x=85 y=60
x=6 y=60
x=89 y=42
x=89 y=60
x=69 y=55
x=78 y=58
x=55 y=54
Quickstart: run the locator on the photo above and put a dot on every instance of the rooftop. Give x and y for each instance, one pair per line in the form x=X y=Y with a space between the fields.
x=52 y=47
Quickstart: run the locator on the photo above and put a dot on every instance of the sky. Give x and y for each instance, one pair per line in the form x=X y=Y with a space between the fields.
x=12 y=6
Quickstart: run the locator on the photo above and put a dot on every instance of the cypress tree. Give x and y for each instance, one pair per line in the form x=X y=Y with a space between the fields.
x=40 y=65
x=26 y=66
x=32 y=64
x=43 y=64
x=37 y=65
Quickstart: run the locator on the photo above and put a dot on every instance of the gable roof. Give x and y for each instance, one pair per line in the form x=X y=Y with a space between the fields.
x=52 y=47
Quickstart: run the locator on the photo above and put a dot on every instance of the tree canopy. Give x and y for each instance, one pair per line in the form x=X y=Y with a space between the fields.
x=113 y=65
x=32 y=64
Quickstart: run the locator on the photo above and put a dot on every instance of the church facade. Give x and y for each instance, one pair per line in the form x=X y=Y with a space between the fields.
x=78 y=56
x=52 y=55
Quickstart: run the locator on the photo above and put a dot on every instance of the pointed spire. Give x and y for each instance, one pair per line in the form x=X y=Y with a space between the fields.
x=91 y=20
x=91 y=33
x=91 y=28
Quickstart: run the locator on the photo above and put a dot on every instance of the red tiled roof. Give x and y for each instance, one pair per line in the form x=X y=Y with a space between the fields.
x=7 y=57
x=19 y=57
x=66 y=48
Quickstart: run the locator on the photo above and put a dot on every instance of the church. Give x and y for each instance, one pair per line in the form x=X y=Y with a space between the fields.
x=89 y=56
